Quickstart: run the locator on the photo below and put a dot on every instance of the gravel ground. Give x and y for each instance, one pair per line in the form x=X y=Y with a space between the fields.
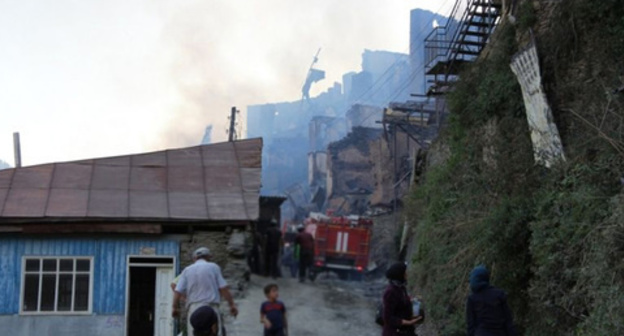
x=328 y=307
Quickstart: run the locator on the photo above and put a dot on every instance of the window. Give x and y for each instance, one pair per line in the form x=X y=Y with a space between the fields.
x=57 y=285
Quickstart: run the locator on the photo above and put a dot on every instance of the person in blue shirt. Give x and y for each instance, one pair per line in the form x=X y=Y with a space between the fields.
x=487 y=311
x=273 y=313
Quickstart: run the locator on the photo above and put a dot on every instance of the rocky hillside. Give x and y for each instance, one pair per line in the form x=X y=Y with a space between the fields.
x=553 y=237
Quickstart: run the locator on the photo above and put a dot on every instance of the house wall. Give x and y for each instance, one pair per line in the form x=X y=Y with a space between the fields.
x=109 y=282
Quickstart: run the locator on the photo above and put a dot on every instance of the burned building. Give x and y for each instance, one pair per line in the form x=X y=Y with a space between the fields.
x=297 y=134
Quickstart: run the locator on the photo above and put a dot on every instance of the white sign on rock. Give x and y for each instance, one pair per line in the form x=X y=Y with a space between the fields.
x=547 y=147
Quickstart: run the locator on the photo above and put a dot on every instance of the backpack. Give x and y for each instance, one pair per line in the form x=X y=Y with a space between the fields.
x=379 y=314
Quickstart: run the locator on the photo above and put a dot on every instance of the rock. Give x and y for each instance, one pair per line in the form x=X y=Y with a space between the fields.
x=236 y=246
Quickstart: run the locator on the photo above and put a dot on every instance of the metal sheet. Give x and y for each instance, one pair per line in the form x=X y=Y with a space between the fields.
x=67 y=202
x=6 y=177
x=111 y=177
x=157 y=159
x=185 y=179
x=109 y=255
x=35 y=177
x=25 y=202
x=187 y=205
x=103 y=203
x=210 y=182
x=149 y=204
x=72 y=176
x=222 y=180
x=187 y=157
x=148 y=178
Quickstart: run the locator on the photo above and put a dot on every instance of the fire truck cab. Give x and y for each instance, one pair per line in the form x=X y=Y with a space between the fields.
x=341 y=244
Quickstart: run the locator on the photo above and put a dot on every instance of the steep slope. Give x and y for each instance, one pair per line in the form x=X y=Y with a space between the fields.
x=553 y=238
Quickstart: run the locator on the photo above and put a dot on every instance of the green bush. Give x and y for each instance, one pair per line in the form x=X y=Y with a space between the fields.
x=553 y=238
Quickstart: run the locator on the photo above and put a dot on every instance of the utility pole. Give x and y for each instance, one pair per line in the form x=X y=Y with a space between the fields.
x=232 y=130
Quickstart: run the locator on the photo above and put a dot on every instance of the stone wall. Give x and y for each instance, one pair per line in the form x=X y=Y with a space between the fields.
x=228 y=249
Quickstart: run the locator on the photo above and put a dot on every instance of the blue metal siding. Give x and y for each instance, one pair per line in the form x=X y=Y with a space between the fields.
x=10 y=269
x=109 y=258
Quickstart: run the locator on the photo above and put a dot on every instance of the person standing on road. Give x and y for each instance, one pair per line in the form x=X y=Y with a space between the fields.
x=273 y=244
x=203 y=285
x=487 y=311
x=304 y=247
x=398 y=316
x=273 y=313
x=288 y=259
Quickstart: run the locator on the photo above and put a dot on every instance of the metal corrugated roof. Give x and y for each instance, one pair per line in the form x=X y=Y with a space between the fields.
x=209 y=182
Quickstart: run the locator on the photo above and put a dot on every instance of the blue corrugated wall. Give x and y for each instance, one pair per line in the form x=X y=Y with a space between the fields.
x=109 y=256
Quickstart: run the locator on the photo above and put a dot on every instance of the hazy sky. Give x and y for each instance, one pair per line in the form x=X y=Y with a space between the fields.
x=83 y=79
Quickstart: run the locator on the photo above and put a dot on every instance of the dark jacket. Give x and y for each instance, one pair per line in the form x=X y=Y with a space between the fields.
x=305 y=241
x=487 y=313
x=397 y=306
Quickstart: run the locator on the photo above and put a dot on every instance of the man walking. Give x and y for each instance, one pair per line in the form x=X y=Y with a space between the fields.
x=304 y=246
x=203 y=285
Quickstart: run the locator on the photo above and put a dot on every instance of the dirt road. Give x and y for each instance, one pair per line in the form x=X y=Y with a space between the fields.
x=325 y=307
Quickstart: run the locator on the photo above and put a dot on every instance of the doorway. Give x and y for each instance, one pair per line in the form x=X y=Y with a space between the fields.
x=149 y=296
x=142 y=301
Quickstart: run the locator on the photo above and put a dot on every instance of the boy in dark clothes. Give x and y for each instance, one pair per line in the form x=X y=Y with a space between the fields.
x=273 y=313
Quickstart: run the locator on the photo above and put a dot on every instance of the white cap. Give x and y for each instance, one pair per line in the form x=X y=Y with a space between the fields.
x=201 y=252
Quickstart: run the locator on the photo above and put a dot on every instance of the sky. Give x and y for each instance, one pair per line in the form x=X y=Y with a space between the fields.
x=86 y=79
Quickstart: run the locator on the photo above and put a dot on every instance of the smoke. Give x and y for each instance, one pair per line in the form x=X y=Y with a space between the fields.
x=237 y=53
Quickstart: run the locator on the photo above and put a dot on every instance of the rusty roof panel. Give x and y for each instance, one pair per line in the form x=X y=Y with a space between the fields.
x=103 y=203
x=188 y=205
x=248 y=175
x=72 y=176
x=148 y=204
x=247 y=145
x=67 y=203
x=185 y=179
x=226 y=206
x=252 y=207
x=157 y=159
x=37 y=177
x=111 y=177
x=218 y=157
x=123 y=161
x=222 y=180
x=189 y=157
x=210 y=182
x=25 y=202
x=3 y=196
x=148 y=178
x=246 y=158
x=6 y=177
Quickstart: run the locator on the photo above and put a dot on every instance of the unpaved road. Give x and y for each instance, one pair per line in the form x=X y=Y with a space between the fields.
x=319 y=308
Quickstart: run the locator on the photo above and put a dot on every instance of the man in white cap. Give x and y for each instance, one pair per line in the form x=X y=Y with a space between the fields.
x=203 y=285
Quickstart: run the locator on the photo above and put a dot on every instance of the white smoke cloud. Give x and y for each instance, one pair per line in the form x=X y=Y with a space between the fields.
x=88 y=79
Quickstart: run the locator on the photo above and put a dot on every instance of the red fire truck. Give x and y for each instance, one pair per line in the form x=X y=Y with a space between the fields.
x=341 y=244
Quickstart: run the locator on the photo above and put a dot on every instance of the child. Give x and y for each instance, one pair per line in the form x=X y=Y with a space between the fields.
x=273 y=313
